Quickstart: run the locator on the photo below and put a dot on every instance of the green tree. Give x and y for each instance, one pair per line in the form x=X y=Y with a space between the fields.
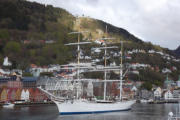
x=4 y=34
x=47 y=74
x=147 y=85
x=12 y=47
x=27 y=74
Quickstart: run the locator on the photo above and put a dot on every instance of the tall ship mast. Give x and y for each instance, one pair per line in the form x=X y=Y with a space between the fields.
x=78 y=54
x=76 y=105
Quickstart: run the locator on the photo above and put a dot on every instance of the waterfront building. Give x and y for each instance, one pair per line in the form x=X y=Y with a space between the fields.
x=168 y=95
x=18 y=94
x=145 y=94
x=4 y=72
x=29 y=82
x=3 y=83
x=14 y=88
x=14 y=82
x=9 y=94
x=31 y=94
x=176 y=93
x=127 y=94
x=157 y=93
x=39 y=96
x=4 y=95
x=13 y=95
x=134 y=90
x=25 y=95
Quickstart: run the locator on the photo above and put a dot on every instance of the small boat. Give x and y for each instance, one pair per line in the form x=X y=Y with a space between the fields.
x=8 y=105
x=172 y=116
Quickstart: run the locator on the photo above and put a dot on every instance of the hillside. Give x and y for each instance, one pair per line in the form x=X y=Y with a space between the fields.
x=97 y=29
x=34 y=33
x=26 y=27
x=177 y=51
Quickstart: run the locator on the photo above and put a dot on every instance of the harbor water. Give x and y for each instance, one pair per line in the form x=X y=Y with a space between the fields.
x=50 y=112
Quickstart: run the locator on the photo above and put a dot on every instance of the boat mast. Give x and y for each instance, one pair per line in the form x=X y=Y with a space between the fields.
x=78 y=55
x=105 y=73
x=121 y=72
x=78 y=50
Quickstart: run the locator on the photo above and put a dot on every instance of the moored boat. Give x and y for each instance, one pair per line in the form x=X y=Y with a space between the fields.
x=8 y=105
x=88 y=107
x=73 y=104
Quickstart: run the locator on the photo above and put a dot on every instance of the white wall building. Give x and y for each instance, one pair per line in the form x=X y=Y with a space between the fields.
x=157 y=93
x=6 y=62
x=168 y=95
x=25 y=95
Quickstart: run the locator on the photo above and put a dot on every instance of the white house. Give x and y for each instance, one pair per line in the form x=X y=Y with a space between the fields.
x=157 y=93
x=151 y=51
x=168 y=95
x=176 y=94
x=5 y=71
x=25 y=95
x=166 y=70
x=6 y=62
x=134 y=89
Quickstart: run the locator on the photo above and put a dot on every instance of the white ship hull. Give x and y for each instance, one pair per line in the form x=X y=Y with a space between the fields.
x=86 y=107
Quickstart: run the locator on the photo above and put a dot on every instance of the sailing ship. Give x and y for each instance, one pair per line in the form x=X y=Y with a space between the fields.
x=76 y=105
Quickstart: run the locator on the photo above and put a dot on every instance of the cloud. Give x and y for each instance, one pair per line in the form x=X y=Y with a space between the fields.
x=150 y=20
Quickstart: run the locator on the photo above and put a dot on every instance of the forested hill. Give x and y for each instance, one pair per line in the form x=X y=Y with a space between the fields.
x=26 y=27
x=35 y=32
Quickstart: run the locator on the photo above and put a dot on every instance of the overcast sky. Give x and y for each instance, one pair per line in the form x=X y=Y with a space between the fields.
x=157 y=21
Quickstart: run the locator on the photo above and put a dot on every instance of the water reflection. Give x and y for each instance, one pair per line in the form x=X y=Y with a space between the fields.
x=138 y=112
